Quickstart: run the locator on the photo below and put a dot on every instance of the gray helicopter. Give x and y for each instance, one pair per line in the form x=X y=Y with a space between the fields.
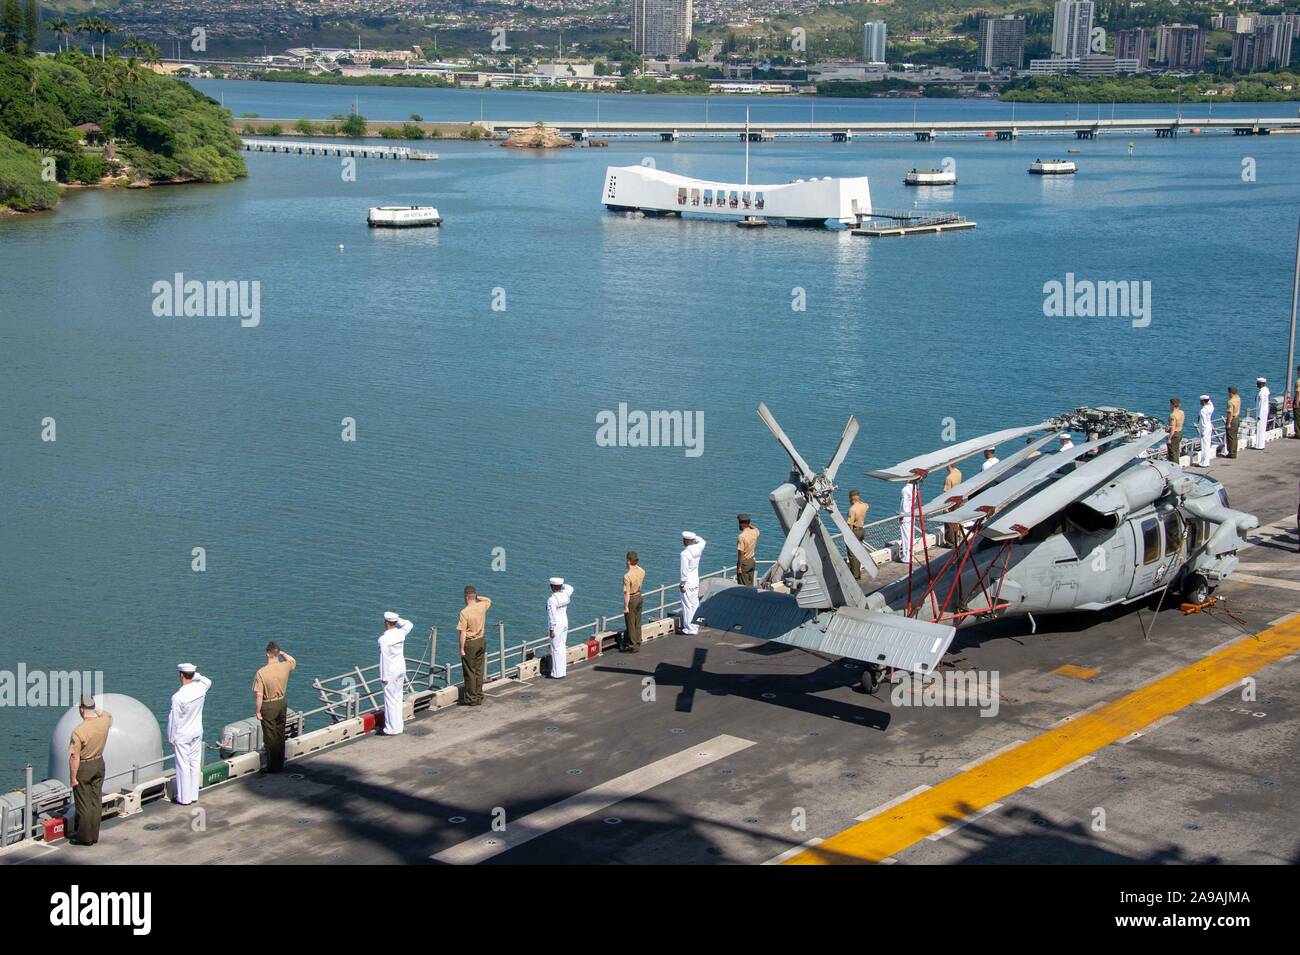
x=1088 y=527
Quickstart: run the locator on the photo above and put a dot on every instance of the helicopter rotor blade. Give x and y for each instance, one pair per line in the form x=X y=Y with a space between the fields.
x=852 y=543
x=796 y=535
x=846 y=439
x=800 y=464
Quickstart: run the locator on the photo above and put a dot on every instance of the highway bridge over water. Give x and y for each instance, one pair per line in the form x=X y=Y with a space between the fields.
x=1161 y=126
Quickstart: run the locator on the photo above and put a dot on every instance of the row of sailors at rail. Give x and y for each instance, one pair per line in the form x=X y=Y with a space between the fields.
x=1232 y=422
x=736 y=200
x=392 y=648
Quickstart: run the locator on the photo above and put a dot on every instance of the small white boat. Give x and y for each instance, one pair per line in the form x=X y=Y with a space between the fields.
x=930 y=177
x=1052 y=167
x=403 y=217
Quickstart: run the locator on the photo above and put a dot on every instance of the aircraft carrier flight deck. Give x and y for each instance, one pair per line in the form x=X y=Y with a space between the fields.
x=1118 y=737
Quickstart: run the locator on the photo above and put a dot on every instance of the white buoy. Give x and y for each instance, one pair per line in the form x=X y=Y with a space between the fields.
x=340 y=246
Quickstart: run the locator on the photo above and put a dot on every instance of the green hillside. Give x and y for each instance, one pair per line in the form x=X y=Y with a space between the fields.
x=152 y=128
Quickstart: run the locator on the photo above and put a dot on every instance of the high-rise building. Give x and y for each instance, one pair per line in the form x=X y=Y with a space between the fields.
x=1181 y=47
x=1071 y=27
x=873 y=41
x=1002 y=43
x=661 y=27
x=1267 y=46
x=1134 y=45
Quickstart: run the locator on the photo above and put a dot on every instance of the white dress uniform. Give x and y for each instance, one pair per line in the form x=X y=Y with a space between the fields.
x=392 y=670
x=185 y=733
x=989 y=462
x=557 y=624
x=1205 y=431
x=906 y=530
x=1261 y=418
x=690 y=581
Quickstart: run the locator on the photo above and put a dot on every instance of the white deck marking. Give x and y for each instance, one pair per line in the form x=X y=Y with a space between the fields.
x=1143 y=732
x=892 y=803
x=1081 y=761
x=794 y=851
x=987 y=756
x=1074 y=716
x=580 y=805
x=1265 y=581
x=949 y=830
x=1211 y=697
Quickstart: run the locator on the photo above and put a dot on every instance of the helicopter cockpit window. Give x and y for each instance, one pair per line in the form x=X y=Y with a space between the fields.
x=1150 y=541
x=1223 y=497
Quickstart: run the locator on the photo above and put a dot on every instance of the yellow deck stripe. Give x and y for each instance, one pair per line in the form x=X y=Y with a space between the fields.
x=889 y=833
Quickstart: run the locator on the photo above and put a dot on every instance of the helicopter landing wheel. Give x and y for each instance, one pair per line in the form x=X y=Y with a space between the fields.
x=1196 y=590
x=872 y=677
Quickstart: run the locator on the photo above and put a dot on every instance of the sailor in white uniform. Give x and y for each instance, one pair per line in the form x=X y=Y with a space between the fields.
x=1261 y=413
x=392 y=669
x=990 y=459
x=557 y=625
x=906 y=531
x=692 y=550
x=1066 y=441
x=1205 y=431
x=185 y=732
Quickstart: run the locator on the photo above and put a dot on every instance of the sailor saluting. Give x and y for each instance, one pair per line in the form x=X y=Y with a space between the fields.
x=185 y=731
x=1205 y=430
x=392 y=669
x=692 y=550
x=1261 y=413
x=557 y=625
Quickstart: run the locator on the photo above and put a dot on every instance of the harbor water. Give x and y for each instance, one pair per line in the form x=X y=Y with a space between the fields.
x=477 y=360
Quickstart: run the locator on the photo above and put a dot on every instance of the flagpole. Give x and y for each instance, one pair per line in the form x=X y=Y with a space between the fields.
x=1290 y=352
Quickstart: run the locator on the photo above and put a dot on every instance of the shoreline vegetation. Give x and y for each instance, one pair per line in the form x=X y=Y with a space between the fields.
x=73 y=120
x=353 y=126
x=1278 y=87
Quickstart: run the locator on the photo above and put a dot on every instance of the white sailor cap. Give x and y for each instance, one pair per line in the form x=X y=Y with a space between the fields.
x=1205 y=397
x=187 y=668
x=390 y=617
x=557 y=581
x=1065 y=436
x=688 y=535
x=1261 y=381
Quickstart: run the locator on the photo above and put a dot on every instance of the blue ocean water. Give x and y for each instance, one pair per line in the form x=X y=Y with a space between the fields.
x=476 y=426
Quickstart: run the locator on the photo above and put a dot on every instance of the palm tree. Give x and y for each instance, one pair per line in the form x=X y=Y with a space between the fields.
x=151 y=54
x=60 y=27
x=107 y=81
x=130 y=73
x=106 y=30
x=86 y=25
x=97 y=27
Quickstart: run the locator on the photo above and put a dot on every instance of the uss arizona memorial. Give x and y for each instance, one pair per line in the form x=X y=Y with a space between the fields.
x=804 y=201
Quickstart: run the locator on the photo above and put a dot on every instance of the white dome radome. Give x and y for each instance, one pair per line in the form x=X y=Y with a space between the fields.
x=135 y=739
